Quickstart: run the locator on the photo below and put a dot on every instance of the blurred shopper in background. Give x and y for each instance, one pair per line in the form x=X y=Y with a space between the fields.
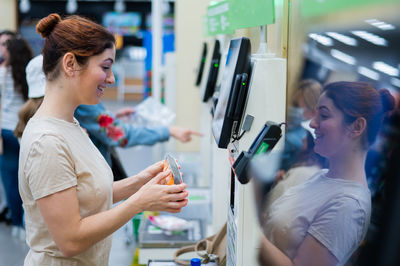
x=302 y=108
x=108 y=131
x=16 y=54
x=4 y=215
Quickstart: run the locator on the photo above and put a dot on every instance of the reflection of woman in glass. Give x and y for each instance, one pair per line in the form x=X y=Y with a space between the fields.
x=323 y=221
x=299 y=161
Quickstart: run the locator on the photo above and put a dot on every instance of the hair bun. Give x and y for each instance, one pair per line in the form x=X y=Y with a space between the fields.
x=46 y=25
x=388 y=101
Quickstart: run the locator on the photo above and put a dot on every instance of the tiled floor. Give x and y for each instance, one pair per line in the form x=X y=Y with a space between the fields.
x=12 y=250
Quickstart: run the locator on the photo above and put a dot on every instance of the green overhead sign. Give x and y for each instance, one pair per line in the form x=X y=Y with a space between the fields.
x=252 y=13
x=219 y=19
x=311 y=8
x=226 y=16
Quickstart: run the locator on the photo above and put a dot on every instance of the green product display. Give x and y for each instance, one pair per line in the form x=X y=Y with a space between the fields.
x=312 y=8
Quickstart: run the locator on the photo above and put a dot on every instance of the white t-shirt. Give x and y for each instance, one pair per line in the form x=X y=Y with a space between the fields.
x=56 y=155
x=334 y=211
x=293 y=177
x=12 y=102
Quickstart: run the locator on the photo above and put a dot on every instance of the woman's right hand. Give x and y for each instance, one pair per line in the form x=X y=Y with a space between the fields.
x=153 y=196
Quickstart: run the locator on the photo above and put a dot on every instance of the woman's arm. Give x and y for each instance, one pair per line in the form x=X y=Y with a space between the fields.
x=183 y=134
x=124 y=112
x=112 y=132
x=74 y=234
x=124 y=188
x=311 y=252
x=271 y=255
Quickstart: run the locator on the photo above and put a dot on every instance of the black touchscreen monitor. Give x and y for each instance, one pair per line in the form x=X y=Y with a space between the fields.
x=233 y=92
x=200 y=70
x=212 y=73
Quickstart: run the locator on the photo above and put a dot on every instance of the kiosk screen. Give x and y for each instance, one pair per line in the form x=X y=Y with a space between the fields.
x=231 y=96
x=209 y=88
x=201 y=64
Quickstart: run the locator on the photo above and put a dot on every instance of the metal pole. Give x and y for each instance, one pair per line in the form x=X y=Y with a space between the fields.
x=156 y=28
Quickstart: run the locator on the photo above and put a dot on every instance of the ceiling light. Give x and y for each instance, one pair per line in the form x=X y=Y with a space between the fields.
x=387 y=27
x=395 y=82
x=385 y=68
x=342 y=38
x=24 y=6
x=119 y=6
x=72 y=6
x=377 y=23
x=370 y=37
x=380 y=24
x=321 y=39
x=343 y=57
x=368 y=73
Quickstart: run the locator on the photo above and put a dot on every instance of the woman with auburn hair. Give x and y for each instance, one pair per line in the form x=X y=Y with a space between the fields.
x=105 y=129
x=66 y=185
x=16 y=54
x=323 y=220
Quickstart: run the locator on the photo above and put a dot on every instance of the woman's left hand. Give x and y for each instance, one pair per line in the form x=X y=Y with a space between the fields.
x=147 y=174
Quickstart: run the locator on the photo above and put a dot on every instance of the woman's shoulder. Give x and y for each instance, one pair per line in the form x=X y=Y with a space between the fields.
x=335 y=191
x=38 y=128
x=305 y=172
x=352 y=200
x=49 y=123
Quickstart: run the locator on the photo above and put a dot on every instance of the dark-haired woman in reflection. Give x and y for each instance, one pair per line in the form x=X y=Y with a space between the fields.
x=323 y=220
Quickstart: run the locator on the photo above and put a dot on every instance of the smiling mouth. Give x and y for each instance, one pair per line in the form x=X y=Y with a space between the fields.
x=318 y=136
x=100 y=90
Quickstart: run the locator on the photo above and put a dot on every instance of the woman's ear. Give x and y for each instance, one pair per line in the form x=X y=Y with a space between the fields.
x=358 y=127
x=69 y=64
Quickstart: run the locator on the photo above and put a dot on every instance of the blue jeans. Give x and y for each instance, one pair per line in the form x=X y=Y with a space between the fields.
x=9 y=175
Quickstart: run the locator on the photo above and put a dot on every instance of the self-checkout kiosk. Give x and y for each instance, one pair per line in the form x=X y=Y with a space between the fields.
x=211 y=156
x=209 y=84
x=203 y=59
x=248 y=120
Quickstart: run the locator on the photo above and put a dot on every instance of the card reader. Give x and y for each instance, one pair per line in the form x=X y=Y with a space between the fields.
x=264 y=142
